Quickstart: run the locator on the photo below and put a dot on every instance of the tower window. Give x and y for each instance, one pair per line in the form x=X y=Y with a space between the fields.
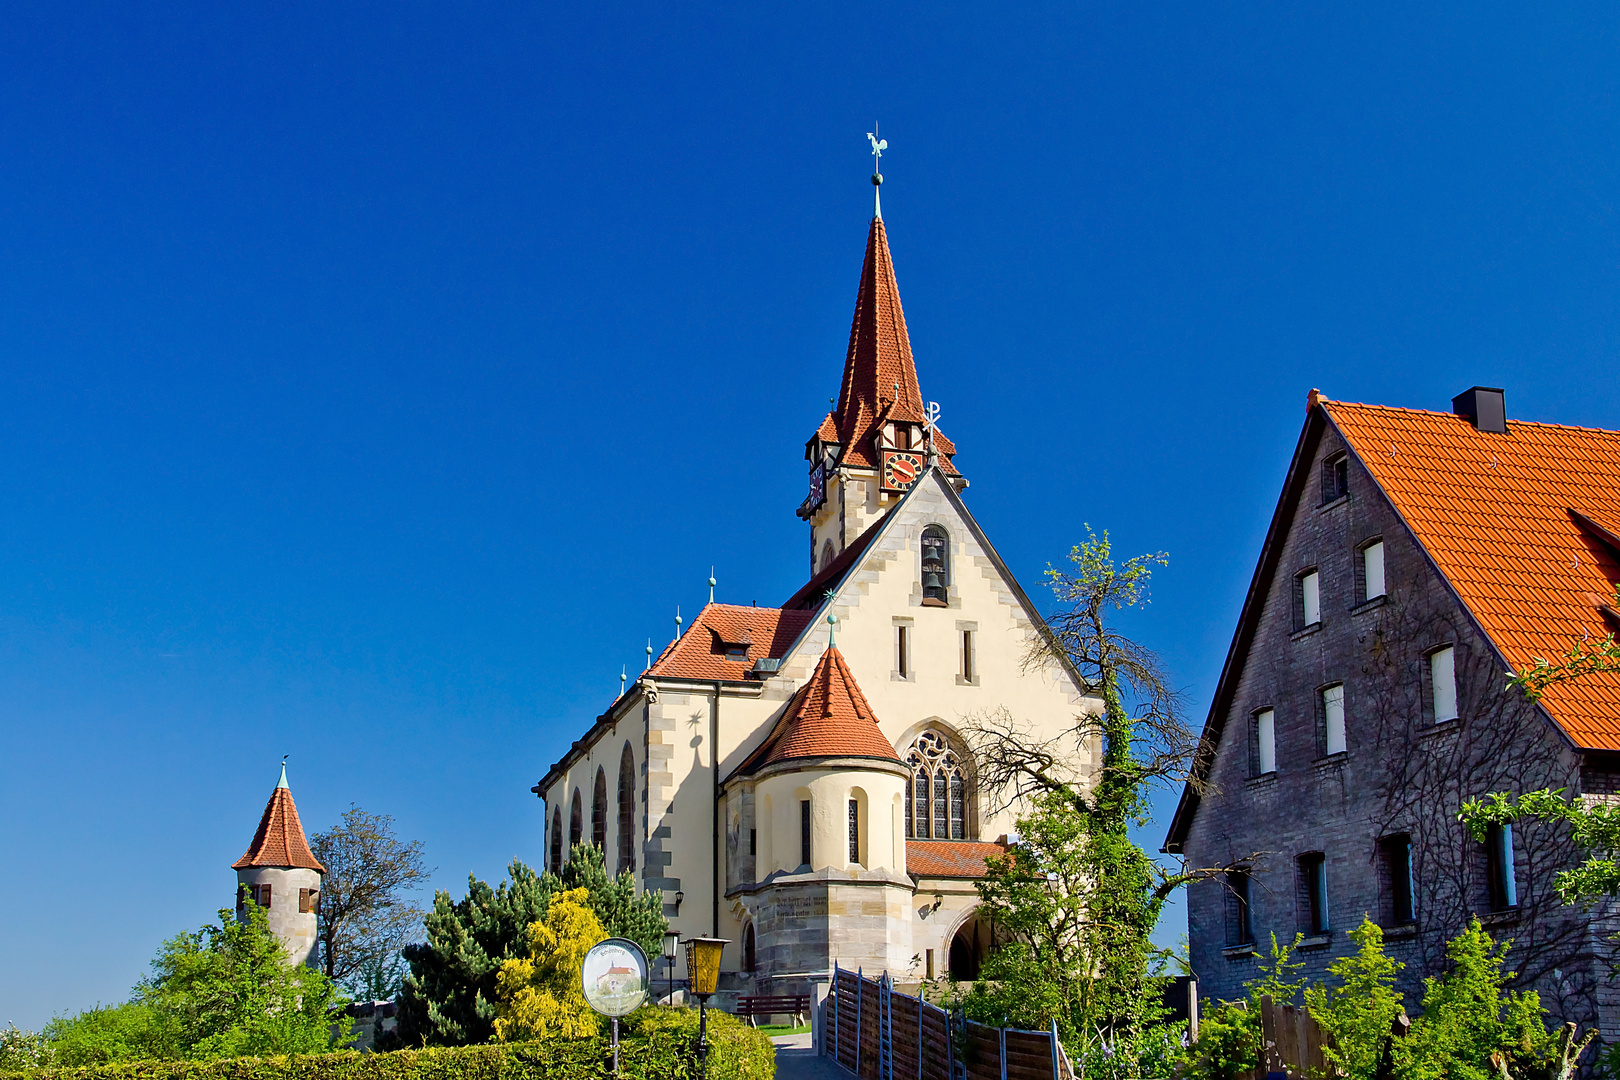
x=1500 y=880
x=308 y=901
x=902 y=650
x=753 y=841
x=936 y=798
x=1313 y=909
x=968 y=668
x=1333 y=740
x=1239 y=928
x=935 y=566
x=1309 y=592
x=1372 y=570
x=1395 y=874
x=1265 y=742
x=1443 y=684
x=804 y=832
x=854 y=831
x=1335 y=478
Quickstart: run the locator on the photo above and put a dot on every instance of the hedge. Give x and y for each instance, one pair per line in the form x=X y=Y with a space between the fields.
x=654 y=1044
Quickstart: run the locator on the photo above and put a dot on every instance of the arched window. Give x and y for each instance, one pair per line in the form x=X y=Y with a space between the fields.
x=750 y=958
x=827 y=555
x=599 y=812
x=576 y=824
x=556 y=840
x=936 y=798
x=936 y=566
x=627 y=810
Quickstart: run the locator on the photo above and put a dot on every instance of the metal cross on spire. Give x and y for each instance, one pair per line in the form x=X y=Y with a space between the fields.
x=931 y=425
x=878 y=146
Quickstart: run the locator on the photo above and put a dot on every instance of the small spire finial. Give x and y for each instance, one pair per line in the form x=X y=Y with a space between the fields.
x=930 y=425
x=623 y=677
x=711 y=584
x=649 y=656
x=832 y=630
x=677 y=622
x=283 y=781
x=878 y=146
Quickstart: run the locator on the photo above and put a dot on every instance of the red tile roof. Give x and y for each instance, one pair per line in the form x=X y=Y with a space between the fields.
x=700 y=653
x=949 y=858
x=280 y=840
x=1494 y=513
x=828 y=717
x=879 y=360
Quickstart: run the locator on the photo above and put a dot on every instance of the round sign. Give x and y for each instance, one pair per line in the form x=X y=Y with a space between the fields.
x=614 y=976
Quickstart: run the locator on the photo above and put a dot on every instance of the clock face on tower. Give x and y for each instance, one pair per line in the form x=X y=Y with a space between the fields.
x=901 y=469
x=818 y=486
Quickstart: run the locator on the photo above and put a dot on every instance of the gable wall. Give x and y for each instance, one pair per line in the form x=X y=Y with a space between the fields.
x=1400 y=772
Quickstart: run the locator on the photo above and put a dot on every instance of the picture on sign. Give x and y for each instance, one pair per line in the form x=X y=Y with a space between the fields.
x=614 y=977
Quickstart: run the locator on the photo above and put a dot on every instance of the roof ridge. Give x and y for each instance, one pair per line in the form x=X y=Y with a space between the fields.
x=1330 y=402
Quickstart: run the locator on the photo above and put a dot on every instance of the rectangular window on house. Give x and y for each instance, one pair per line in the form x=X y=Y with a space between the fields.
x=264 y=897
x=1310 y=599
x=1333 y=741
x=804 y=832
x=1239 y=931
x=902 y=650
x=1443 y=684
x=1313 y=908
x=929 y=963
x=1395 y=881
x=1265 y=742
x=967 y=656
x=1372 y=570
x=1335 y=478
x=1501 y=880
x=854 y=831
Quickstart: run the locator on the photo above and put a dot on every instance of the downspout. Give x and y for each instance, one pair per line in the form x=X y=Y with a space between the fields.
x=714 y=761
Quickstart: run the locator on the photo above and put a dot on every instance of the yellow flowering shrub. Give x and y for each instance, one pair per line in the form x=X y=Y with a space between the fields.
x=540 y=994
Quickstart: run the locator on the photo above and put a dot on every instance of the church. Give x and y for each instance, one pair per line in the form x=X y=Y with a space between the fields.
x=798 y=779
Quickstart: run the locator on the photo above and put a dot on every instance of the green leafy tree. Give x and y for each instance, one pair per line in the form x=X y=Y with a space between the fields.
x=1359 y=1013
x=221 y=991
x=450 y=997
x=1468 y=1018
x=1078 y=898
x=366 y=915
x=1595 y=828
x=20 y=1050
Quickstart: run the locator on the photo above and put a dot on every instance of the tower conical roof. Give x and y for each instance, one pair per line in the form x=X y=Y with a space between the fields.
x=880 y=377
x=829 y=717
x=280 y=840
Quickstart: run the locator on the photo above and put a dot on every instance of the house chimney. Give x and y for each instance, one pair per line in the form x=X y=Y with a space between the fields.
x=1484 y=407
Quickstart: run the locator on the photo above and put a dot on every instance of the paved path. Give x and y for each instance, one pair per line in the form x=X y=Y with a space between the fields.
x=796 y=1061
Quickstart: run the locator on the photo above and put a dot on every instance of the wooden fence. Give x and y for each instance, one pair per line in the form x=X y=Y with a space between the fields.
x=880 y=1035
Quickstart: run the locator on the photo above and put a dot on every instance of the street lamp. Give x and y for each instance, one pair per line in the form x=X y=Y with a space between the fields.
x=672 y=944
x=702 y=977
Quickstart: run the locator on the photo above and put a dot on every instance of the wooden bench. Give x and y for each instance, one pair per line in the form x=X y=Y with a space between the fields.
x=752 y=1008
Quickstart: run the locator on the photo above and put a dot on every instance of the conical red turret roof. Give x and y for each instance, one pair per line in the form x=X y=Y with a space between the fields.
x=880 y=377
x=280 y=840
x=828 y=717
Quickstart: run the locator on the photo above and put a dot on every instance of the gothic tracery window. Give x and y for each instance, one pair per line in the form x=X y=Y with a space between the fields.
x=936 y=798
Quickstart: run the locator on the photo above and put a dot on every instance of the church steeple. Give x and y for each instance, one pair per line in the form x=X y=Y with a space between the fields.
x=877 y=436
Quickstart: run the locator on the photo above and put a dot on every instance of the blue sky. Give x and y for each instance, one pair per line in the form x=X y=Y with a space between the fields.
x=375 y=380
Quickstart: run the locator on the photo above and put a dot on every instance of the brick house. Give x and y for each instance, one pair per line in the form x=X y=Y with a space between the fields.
x=1413 y=559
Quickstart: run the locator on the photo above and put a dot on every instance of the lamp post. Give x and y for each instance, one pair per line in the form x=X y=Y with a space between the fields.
x=672 y=944
x=703 y=976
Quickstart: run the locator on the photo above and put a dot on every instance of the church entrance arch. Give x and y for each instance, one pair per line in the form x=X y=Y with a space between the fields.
x=970 y=944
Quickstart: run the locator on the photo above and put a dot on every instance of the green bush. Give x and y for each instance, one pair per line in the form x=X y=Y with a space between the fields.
x=654 y=1043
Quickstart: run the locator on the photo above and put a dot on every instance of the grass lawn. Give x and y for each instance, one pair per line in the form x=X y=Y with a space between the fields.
x=784 y=1029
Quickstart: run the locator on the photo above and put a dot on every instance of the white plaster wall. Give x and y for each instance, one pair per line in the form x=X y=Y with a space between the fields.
x=295 y=929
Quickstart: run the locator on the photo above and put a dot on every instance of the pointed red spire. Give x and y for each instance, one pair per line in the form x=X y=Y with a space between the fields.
x=880 y=376
x=280 y=840
x=829 y=718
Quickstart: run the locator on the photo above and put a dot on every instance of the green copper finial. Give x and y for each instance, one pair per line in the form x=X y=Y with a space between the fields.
x=832 y=630
x=283 y=781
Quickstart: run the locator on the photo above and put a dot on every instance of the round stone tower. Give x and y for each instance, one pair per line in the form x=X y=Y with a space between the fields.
x=281 y=874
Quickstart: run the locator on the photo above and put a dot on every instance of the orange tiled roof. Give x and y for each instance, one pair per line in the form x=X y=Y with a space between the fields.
x=828 y=717
x=700 y=653
x=949 y=858
x=1493 y=512
x=280 y=839
x=878 y=361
